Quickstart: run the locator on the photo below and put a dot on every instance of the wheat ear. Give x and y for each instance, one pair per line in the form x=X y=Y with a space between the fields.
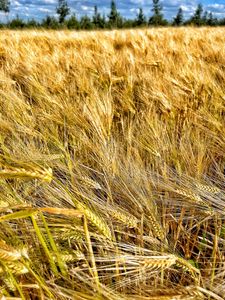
x=156 y=227
x=95 y=220
x=125 y=218
x=195 y=198
x=23 y=173
x=159 y=262
x=187 y=266
x=8 y=253
x=68 y=257
x=69 y=233
x=16 y=268
x=207 y=188
x=90 y=183
x=9 y=283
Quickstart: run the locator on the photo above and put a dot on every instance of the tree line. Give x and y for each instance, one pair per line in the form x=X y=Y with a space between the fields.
x=114 y=19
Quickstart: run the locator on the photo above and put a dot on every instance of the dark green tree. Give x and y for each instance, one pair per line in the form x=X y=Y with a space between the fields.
x=86 y=23
x=96 y=16
x=157 y=18
x=179 y=19
x=129 y=23
x=140 y=19
x=98 y=20
x=104 y=22
x=5 y=6
x=205 y=18
x=50 y=23
x=73 y=22
x=197 y=18
x=211 y=20
x=62 y=10
x=115 y=19
x=32 y=23
x=16 y=23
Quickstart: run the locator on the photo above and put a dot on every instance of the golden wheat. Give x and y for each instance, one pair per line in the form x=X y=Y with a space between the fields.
x=195 y=198
x=8 y=253
x=128 y=127
x=95 y=220
x=125 y=218
x=66 y=257
x=13 y=172
x=207 y=188
x=159 y=262
x=16 y=268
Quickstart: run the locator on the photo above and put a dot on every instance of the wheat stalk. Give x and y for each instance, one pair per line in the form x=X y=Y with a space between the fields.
x=61 y=211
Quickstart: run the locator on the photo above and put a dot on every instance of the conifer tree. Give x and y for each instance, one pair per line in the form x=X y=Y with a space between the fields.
x=211 y=20
x=115 y=20
x=197 y=19
x=179 y=19
x=141 y=19
x=205 y=17
x=62 y=10
x=5 y=6
x=98 y=20
x=73 y=22
x=157 y=18
x=86 y=23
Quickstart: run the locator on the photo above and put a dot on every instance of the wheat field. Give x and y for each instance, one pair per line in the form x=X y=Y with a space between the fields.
x=112 y=158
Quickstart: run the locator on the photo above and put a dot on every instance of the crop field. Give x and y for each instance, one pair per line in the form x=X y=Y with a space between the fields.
x=112 y=164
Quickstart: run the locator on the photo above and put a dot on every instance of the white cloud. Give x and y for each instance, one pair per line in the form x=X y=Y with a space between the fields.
x=85 y=8
x=45 y=10
x=17 y=3
x=50 y=1
x=216 y=6
x=128 y=8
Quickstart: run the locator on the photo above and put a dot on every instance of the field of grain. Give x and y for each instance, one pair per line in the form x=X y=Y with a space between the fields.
x=112 y=157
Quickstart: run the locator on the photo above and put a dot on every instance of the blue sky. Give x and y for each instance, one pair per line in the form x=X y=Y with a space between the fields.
x=128 y=8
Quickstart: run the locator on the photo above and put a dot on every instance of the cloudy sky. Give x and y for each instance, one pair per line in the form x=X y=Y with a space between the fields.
x=128 y=8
